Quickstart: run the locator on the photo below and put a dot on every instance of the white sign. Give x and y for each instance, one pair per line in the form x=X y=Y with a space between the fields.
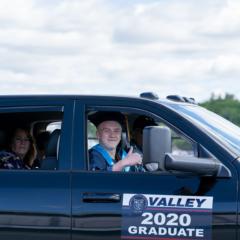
x=148 y=216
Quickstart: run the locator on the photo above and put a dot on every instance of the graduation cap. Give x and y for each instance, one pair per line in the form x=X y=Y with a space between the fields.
x=102 y=116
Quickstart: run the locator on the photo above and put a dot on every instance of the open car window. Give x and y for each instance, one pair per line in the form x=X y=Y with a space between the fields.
x=132 y=135
x=44 y=130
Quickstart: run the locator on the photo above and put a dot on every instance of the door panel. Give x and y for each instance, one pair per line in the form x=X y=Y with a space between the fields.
x=34 y=205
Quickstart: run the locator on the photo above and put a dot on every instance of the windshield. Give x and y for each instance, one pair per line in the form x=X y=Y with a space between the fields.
x=212 y=123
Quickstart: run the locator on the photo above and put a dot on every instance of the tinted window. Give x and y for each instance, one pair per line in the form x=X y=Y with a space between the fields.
x=31 y=138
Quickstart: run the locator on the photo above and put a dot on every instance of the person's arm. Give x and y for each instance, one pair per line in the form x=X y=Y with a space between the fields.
x=131 y=159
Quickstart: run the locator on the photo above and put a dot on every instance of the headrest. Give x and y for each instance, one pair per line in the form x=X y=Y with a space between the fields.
x=42 y=140
x=53 y=142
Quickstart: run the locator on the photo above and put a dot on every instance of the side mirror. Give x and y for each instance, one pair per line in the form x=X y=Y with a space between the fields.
x=200 y=166
x=157 y=156
x=156 y=143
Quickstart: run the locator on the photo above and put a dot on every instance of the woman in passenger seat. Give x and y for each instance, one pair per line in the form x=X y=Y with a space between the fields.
x=22 y=151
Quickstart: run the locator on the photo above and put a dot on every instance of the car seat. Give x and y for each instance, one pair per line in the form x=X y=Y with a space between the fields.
x=50 y=162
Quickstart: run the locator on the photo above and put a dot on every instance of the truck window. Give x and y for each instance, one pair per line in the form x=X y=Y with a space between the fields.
x=92 y=138
x=101 y=134
x=30 y=140
x=53 y=126
x=181 y=146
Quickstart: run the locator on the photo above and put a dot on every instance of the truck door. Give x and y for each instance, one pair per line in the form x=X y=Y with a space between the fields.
x=98 y=210
x=35 y=203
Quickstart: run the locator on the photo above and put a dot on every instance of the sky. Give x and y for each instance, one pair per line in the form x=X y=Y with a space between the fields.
x=120 y=47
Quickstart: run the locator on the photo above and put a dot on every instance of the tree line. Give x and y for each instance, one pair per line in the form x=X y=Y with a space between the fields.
x=227 y=107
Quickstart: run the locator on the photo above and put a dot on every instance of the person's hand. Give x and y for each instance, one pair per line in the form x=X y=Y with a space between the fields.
x=132 y=158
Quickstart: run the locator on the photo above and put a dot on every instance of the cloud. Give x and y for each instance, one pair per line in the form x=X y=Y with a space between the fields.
x=119 y=47
x=223 y=22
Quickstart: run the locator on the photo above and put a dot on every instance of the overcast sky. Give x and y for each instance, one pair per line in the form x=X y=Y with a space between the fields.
x=185 y=47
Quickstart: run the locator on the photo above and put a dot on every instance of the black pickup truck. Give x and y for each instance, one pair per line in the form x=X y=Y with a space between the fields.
x=190 y=189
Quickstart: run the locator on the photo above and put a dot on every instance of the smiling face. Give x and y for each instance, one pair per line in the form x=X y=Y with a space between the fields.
x=109 y=134
x=20 y=143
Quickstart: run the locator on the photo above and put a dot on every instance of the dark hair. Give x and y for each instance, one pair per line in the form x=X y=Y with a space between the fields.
x=31 y=154
x=142 y=122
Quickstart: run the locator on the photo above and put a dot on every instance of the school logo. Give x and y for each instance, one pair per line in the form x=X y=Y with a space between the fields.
x=138 y=203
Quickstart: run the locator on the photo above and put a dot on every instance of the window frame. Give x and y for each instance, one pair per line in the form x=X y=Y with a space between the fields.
x=133 y=110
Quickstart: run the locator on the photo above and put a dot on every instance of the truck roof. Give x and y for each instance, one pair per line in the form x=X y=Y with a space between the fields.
x=168 y=100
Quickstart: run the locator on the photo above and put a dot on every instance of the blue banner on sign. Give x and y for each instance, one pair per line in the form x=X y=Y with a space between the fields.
x=166 y=217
